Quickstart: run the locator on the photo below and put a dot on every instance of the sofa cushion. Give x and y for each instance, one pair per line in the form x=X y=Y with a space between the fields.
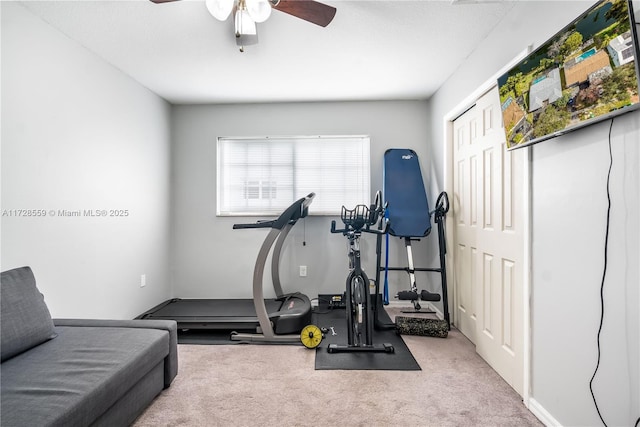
x=25 y=319
x=75 y=378
x=170 y=326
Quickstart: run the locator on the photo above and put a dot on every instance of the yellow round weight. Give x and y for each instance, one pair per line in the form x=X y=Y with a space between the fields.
x=311 y=336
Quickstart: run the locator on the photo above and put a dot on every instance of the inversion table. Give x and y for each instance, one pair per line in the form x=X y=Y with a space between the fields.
x=407 y=209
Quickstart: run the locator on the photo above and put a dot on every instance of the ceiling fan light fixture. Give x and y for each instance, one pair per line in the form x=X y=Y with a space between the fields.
x=259 y=10
x=220 y=9
x=244 y=24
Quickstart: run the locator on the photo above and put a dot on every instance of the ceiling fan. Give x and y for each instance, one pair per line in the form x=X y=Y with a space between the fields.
x=249 y=12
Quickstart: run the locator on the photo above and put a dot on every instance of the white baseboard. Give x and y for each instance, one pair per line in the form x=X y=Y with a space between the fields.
x=545 y=417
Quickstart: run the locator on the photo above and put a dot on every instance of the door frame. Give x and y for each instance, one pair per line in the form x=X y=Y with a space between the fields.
x=448 y=120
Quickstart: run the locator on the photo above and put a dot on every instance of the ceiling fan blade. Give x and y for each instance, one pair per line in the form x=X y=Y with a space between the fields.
x=162 y=1
x=309 y=10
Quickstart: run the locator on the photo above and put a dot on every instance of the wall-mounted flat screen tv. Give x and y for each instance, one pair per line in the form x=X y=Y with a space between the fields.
x=586 y=73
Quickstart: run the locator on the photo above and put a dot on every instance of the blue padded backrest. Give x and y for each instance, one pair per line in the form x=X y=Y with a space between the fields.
x=403 y=189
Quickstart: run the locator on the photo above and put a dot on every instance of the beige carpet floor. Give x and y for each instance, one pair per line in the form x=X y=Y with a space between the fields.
x=277 y=385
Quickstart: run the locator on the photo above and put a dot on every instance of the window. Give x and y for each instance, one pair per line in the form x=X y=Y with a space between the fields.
x=263 y=176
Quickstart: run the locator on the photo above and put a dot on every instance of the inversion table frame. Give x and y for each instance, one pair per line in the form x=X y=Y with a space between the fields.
x=409 y=217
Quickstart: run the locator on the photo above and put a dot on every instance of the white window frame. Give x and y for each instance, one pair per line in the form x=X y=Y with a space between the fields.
x=262 y=176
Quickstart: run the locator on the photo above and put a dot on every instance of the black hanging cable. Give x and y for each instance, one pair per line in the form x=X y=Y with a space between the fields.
x=604 y=274
x=304 y=231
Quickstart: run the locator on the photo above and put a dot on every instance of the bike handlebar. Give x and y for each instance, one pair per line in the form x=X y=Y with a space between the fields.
x=366 y=229
x=361 y=218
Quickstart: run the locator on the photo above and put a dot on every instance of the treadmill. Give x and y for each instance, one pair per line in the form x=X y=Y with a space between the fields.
x=277 y=320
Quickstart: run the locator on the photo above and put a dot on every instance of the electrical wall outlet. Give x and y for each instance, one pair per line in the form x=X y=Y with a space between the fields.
x=303 y=271
x=143 y=280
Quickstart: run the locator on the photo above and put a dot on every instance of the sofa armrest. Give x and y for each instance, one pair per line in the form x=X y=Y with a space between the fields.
x=171 y=361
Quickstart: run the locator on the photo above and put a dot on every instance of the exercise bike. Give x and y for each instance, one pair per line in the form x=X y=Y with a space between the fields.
x=357 y=297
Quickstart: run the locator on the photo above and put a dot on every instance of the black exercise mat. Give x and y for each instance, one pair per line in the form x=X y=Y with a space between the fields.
x=400 y=360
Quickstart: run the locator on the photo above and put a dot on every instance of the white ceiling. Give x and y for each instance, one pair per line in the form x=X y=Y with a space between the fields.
x=373 y=50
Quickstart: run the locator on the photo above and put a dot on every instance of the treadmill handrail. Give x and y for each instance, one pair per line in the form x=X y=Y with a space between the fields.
x=298 y=209
x=259 y=224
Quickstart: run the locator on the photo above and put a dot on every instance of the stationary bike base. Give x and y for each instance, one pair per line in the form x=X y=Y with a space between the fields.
x=375 y=348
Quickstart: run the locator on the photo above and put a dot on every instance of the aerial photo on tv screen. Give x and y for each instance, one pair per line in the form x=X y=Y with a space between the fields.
x=584 y=72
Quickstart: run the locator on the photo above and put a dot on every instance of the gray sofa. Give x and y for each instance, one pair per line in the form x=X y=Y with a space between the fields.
x=72 y=372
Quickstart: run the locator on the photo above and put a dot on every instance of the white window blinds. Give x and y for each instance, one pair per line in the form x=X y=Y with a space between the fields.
x=263 y=176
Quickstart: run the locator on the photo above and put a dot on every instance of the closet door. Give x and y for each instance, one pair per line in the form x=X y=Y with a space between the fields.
x=489 y=244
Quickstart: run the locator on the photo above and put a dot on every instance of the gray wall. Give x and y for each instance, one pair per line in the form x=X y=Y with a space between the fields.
x=211 y=260
x=78 y=134
x=569 y=211
x=569 y=205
